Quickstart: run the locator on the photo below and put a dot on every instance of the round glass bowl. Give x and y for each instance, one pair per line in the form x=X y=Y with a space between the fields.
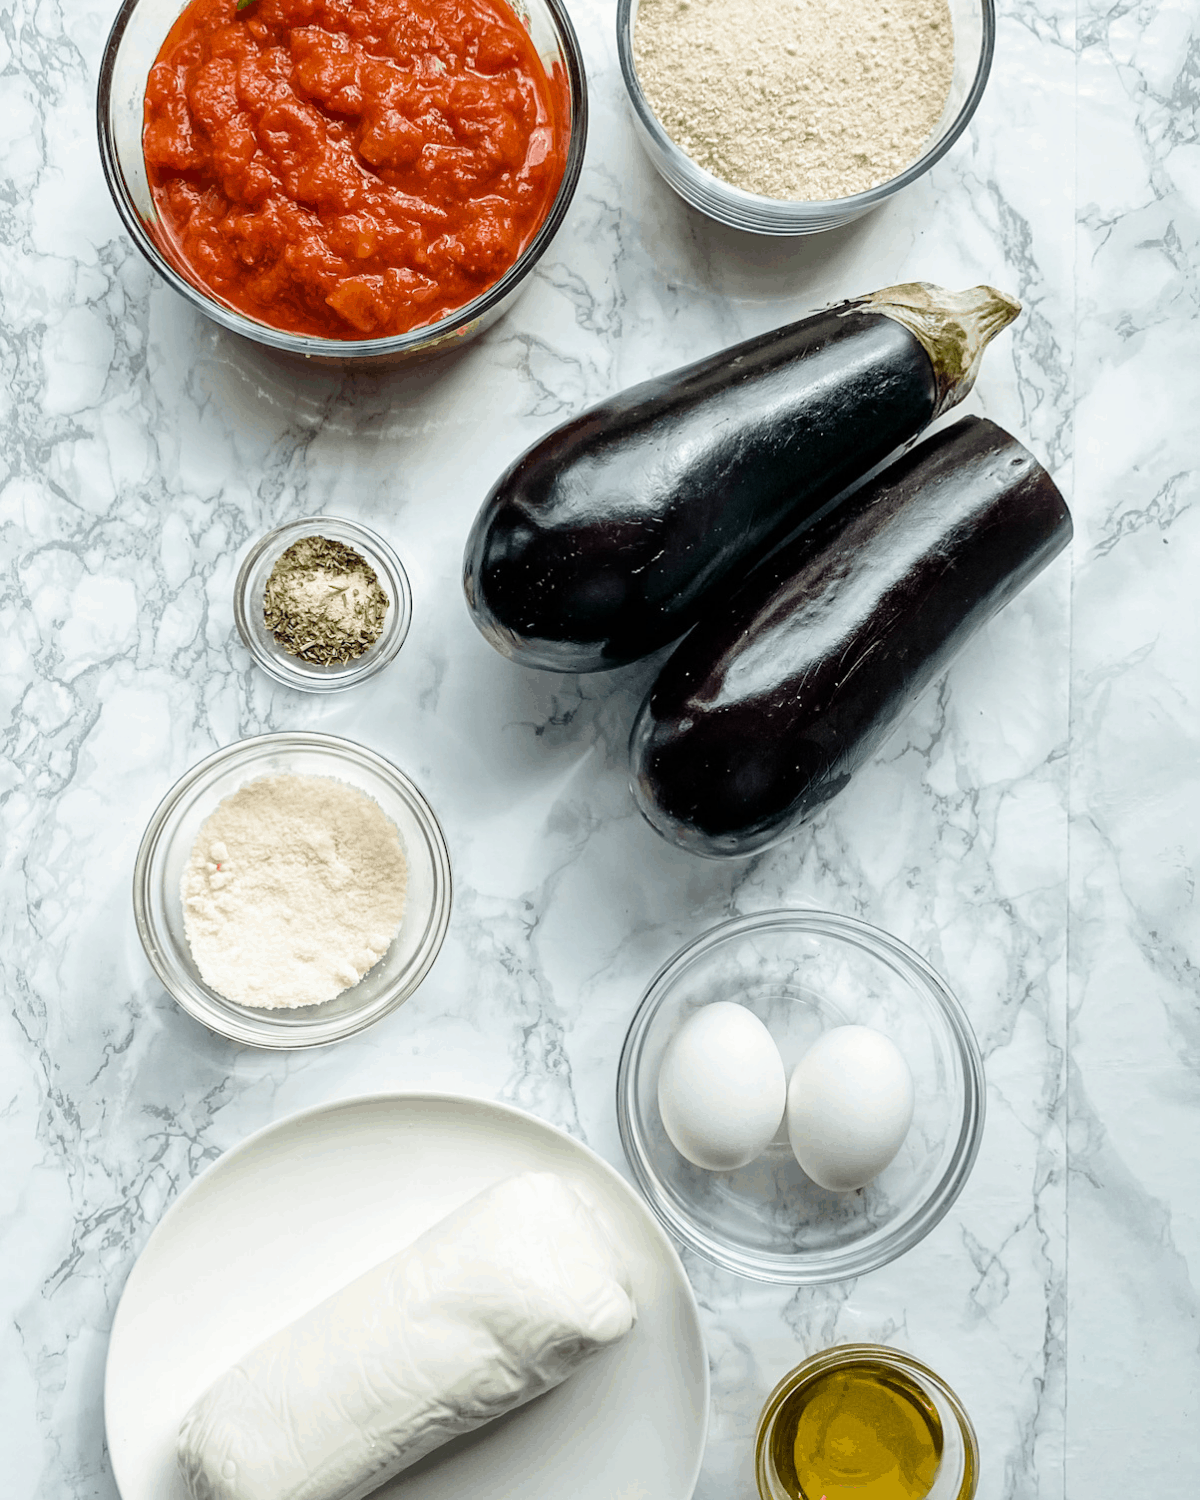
x=974 y=24
x=958 y=1473
x=167 y=844
x=291 y=670
x=140 y=28
x=802 y=972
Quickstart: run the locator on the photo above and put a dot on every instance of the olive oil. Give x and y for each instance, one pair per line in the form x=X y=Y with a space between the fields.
x=861 y=1432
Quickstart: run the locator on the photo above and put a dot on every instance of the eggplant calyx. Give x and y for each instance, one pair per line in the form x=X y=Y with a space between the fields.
x=954 y=328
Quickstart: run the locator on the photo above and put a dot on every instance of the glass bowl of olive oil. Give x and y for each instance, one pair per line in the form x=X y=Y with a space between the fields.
x=865 y=1422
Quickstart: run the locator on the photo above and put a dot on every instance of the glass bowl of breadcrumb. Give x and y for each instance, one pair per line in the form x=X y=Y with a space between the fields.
x=268 y=827
x=800 y=116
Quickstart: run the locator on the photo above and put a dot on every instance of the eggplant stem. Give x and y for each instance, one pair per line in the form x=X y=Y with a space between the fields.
x=954 y=328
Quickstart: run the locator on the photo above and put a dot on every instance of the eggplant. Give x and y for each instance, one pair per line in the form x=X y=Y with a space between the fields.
x=766 y=710
x=608 y=537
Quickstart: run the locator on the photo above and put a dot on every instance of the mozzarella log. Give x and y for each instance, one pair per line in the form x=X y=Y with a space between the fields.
x=497 y=1303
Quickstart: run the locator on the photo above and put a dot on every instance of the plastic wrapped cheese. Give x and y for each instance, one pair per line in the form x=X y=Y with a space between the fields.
x=498 y=1302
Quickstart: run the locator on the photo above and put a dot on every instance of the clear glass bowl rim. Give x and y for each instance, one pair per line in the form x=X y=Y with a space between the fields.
x=318 y=1035
x=739 y=202
x=841 y=1355
x=837 y=1265
x=354 y=672
x=309 y=345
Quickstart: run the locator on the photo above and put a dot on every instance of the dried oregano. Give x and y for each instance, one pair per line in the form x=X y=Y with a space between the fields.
x=323 y=602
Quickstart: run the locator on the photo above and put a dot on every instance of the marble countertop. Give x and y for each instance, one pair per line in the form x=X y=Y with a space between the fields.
x=1033 y=829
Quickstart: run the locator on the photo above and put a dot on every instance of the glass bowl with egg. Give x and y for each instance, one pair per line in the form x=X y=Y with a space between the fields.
x=383 y=253
x=166 y=850
x=810 y=160
x=266 y=646
x=810 y=982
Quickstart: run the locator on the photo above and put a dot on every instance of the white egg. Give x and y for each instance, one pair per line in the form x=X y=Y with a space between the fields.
x=849 y=1106
x=721 y=1087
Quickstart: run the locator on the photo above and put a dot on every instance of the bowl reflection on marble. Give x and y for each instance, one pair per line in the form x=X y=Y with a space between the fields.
x=974 y=24
x=168 y=841
x=802 y=972
x=137 y=34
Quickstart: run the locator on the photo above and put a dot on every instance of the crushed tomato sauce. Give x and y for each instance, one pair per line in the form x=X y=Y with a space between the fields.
x=351 y=168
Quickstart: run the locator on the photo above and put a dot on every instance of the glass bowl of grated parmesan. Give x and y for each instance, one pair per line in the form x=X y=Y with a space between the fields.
x=292 y=889
x=801 y=115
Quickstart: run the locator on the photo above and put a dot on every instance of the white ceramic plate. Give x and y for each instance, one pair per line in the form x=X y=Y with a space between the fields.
x=302 y=1207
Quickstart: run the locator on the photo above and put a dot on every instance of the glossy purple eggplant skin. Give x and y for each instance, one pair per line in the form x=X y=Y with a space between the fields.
x=606 y=539
x=766 y=710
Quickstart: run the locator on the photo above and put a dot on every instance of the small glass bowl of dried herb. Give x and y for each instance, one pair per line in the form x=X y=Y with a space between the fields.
x=322 y=604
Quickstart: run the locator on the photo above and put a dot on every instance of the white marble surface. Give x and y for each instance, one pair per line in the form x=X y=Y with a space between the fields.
x=1033 y=829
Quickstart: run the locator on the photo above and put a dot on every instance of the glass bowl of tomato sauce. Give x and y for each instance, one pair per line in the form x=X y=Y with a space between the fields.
x=353 y=181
